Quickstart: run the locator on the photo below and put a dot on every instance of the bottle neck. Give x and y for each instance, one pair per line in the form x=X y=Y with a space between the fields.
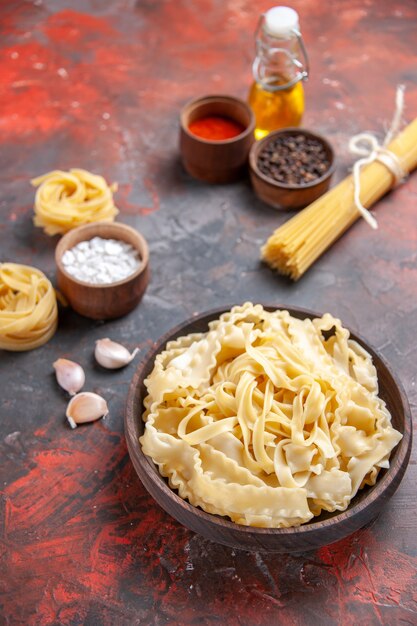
x=278 y=64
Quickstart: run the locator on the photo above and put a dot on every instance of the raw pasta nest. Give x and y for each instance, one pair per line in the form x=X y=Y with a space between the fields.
x=65 y=200
x=267 y=419
x=28 y=308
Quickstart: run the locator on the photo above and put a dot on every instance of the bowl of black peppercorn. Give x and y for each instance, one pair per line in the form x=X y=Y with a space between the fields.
x=290 y=168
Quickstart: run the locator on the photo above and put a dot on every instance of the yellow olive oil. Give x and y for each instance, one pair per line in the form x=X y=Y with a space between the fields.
x=276 y=109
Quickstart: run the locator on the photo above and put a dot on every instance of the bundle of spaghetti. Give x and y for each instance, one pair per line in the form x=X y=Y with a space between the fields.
x=65 y=200
x=28 y=308
x=295 y=245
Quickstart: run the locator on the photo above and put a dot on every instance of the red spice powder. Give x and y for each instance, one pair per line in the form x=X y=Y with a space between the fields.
x=216 y=128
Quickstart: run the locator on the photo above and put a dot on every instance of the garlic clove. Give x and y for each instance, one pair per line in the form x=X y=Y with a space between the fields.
x=70 y=375
x=86 y=407
x=113 y=355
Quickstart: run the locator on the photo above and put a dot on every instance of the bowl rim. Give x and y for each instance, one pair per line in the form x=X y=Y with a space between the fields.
x=250 y=128
x=397 y=467
x=118 y=226
x=258 y=145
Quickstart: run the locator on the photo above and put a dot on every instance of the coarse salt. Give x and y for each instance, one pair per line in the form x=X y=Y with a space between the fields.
x=101 y=261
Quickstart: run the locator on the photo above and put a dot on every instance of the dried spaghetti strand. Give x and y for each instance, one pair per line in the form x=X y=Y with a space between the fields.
x=28 y=308
x=65 y=200
x=295 y=245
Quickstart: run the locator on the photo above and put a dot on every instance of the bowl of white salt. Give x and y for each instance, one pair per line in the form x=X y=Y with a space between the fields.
x=102 y=269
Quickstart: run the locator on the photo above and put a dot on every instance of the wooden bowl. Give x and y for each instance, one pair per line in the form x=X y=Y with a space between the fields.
x=102 y=302
x=322 y=530
x=220 y=161
x=280 y=195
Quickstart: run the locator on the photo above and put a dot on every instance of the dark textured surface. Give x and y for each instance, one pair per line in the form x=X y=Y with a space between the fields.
x=99 y=85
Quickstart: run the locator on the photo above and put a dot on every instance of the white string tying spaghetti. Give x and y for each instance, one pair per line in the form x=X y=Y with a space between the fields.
x=368 y=147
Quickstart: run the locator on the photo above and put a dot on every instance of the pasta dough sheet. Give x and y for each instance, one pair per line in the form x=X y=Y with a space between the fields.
x=267 y=419
x=65 y=200
x=28 y=308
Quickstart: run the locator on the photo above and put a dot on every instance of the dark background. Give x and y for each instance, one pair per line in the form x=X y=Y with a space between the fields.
x=99 y=85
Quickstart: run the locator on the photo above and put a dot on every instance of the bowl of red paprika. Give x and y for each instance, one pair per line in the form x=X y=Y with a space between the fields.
x=215 y=137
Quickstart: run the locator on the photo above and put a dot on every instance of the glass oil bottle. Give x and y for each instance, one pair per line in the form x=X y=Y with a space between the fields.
x=281 y=64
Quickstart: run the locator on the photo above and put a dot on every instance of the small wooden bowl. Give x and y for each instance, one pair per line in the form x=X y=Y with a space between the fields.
x=101 y=302
x=280 y=195
x=221 y=161
x=322 y=530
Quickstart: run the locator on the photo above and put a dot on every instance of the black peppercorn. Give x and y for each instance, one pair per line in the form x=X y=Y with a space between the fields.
x=293 y=159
